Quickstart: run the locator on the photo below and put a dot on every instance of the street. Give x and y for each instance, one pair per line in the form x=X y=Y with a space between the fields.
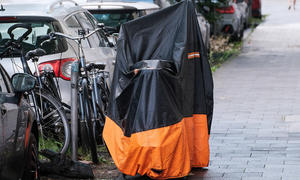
x=256 y=125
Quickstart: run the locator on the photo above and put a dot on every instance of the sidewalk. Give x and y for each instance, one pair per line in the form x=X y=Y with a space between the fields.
x=256 y=125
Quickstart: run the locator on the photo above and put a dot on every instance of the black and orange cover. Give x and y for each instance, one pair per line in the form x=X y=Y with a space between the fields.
x=161 y=102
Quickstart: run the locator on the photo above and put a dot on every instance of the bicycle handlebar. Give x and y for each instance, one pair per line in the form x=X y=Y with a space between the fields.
x=15 y=26
x=54 y=34
x=13 y=44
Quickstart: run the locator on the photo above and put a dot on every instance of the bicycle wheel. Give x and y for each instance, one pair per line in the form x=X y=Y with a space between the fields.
x=88 y=123
x=103 y=94
x=54 y=130
x=98 y=126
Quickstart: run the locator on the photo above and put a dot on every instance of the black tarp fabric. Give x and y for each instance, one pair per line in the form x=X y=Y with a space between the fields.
x=173 y=88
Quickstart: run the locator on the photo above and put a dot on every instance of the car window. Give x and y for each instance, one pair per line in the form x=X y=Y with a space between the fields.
x=87 y=25
x=102 y=40
x=116 y=18
x=40 y=28
x=3 y=88
x=74 y=26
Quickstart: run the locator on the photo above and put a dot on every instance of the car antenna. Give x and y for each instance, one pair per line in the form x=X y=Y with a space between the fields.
x=2 y=9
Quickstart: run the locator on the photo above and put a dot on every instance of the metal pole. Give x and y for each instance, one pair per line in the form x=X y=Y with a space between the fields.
x=74 y=109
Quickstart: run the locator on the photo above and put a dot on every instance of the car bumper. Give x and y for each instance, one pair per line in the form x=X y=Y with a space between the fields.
x=224 y=23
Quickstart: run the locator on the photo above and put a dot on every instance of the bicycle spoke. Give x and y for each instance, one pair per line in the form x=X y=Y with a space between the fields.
x=49 y=121
x=53 y=134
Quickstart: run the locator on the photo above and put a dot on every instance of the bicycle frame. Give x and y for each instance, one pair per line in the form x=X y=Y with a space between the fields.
x=16 y=45
x=83 y=74
x=86 y=88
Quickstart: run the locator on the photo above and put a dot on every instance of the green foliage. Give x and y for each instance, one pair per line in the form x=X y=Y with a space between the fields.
x=217 y=57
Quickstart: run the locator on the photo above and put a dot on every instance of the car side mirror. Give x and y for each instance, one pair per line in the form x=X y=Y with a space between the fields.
x=22 y=82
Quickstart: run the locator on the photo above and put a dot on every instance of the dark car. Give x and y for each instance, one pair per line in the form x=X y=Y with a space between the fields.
x=18 y=129
x=256 y=8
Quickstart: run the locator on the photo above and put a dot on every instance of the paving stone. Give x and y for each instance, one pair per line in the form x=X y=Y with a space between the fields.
x=254 y=170
x=260 y=178
x=256 y=124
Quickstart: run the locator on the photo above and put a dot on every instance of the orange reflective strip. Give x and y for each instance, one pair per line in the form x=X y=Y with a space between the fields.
x=173 y=150
x=193 y=55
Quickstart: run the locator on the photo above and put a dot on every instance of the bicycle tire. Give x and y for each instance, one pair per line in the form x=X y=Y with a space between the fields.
x=53 y=125
x=49 y=84
x=98 y=126
x=103 y=94
x=101 y=107
x=89 y=124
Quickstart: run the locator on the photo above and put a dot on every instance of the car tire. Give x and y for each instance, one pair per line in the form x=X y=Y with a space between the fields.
x=241 y=34
x=234 y=37
x=208 y=51
x=31 y=170
x=237 y=36
x=259 y=16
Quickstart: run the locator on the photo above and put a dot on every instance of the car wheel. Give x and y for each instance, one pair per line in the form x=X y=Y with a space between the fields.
x=241 y=34
x=259 y=16
x=31 y=171
x=234 y=37
x=237 y=36
x=208 y=50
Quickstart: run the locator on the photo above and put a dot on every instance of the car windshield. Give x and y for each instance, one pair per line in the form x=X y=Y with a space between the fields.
x=115 y=19
x=35 y=38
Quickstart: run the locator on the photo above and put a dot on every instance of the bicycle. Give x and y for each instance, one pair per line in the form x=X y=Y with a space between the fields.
x=54 y=131
x=92 y=95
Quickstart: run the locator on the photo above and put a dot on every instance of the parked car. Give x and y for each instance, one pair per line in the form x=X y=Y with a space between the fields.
x=114 y=13
x=205 y=30
x=245 y=11
x=18 y=129
x=204 y=26
x=64 y=16
x=256 y=8
x=203 y=23
x=230 y=21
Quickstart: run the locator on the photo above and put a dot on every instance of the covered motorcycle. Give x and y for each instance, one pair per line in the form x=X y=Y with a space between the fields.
x=161 y=103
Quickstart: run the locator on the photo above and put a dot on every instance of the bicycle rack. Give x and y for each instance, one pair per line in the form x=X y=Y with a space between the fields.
x=74 y=110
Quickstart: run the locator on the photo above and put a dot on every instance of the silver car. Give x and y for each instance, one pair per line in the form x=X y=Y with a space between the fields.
x=114 y=13
x=63 y=16
x=203 y=23
x=231 y=21
x=204 y=27
x=245 y=11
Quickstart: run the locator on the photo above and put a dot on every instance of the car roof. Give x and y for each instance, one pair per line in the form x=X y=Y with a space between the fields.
x=48 y=8
x=117 y=5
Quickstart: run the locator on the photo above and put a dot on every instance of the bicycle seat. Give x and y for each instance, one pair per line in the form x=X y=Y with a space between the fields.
x=95 y=66
x=35 y=53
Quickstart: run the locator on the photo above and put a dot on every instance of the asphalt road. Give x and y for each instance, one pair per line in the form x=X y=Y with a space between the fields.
x=256 y=125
